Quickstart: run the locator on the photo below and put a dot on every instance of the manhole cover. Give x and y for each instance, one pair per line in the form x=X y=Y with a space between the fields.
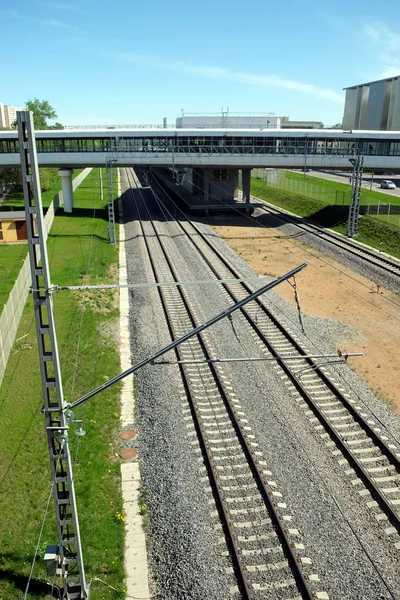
x=128 y=434
x=128 y=453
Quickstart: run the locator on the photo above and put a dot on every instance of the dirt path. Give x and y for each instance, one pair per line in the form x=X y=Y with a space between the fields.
x=328 y=289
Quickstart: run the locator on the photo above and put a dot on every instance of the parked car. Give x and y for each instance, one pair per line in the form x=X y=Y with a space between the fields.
x=388 y=185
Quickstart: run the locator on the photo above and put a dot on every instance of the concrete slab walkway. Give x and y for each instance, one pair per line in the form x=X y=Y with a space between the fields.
x=136 y=568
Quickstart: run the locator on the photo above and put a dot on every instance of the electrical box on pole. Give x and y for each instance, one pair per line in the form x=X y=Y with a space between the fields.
x=68 y=554
x=354 y=210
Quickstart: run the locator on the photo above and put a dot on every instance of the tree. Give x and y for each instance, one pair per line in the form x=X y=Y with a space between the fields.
x=56 y=125
x=337 y=126
x=11 y=178
x=42 y=112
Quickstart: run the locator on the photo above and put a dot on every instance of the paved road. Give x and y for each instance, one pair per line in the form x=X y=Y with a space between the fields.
x=344 y=178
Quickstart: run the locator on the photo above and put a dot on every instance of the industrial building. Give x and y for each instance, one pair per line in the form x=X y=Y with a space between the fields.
x=374 y=105
x=226 y=120
x=286 y=123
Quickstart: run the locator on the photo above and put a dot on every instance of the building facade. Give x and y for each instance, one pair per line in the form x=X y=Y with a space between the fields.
x=286 y=123
x=374 y=105
x=242 y=121
x=228 y=121
x=8 y=114
x=13 y=227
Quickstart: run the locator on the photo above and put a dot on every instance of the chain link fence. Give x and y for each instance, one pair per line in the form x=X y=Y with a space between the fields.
x=275 y=178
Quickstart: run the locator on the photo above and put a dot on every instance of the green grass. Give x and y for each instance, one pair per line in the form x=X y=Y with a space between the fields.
x=337 y=193
x=15 y=201
x=12 y=256
x=345 y=188
x=371 y=230
x=90 y=317
x=11 y=260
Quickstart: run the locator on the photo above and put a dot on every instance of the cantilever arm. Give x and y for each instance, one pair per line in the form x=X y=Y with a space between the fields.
x=187 y=336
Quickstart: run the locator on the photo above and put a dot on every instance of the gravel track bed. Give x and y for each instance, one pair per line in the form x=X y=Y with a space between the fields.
x=238 y=514
x=183 y=549
x=179 y=526
x=284 y=433
x=323 y=335
x=242 y=523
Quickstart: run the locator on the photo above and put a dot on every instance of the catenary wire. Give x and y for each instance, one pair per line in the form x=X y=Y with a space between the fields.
x=346 y=520
x=314 y=344
x=278 y=236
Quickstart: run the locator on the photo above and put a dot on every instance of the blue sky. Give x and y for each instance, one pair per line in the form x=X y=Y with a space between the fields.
x=133 y=61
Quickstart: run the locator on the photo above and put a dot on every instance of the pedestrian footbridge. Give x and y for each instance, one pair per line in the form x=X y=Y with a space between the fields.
x=209 y=148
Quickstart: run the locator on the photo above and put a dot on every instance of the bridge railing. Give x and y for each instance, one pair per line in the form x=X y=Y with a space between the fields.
x=141 y=126
x=189 y=150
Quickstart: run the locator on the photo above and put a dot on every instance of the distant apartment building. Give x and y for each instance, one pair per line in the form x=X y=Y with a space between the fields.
x=226 y=120
x=374 y=105
x=8 y=114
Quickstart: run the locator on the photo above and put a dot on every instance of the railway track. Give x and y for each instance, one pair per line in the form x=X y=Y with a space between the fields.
x=268 y=557
x=388 y=264
x=356 y=438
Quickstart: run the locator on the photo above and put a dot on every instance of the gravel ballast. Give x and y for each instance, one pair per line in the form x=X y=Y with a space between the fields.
x=185 y=557
x=330 y=515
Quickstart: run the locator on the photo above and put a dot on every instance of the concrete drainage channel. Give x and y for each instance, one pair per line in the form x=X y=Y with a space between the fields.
x=136 y=569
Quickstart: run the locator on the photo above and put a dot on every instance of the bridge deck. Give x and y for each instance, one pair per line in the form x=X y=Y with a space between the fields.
x=322 y=149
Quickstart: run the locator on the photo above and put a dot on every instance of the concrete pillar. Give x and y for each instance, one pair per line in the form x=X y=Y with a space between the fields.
x=67 y=191
x=235 y=183
x=198 y=184
x=246 y=174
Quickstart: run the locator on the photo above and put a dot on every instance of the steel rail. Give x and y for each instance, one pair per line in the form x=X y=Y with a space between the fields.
x=375 y=258
x=256 y=470
x=394 y=459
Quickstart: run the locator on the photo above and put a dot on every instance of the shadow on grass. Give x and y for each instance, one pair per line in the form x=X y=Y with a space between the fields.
x=101 y=238
x=99 y=213
x=37 y=588
x=12 y=207
x=330 y=216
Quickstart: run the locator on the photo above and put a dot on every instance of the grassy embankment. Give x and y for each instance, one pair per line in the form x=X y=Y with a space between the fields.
x=12 y=256
x=79 y=252
x=344 y=191
x=372 y=231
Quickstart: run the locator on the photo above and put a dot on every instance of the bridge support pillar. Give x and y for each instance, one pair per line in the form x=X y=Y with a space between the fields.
x=198 y=184
x=246 y=176
x=67 y=191
x=215 y=186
